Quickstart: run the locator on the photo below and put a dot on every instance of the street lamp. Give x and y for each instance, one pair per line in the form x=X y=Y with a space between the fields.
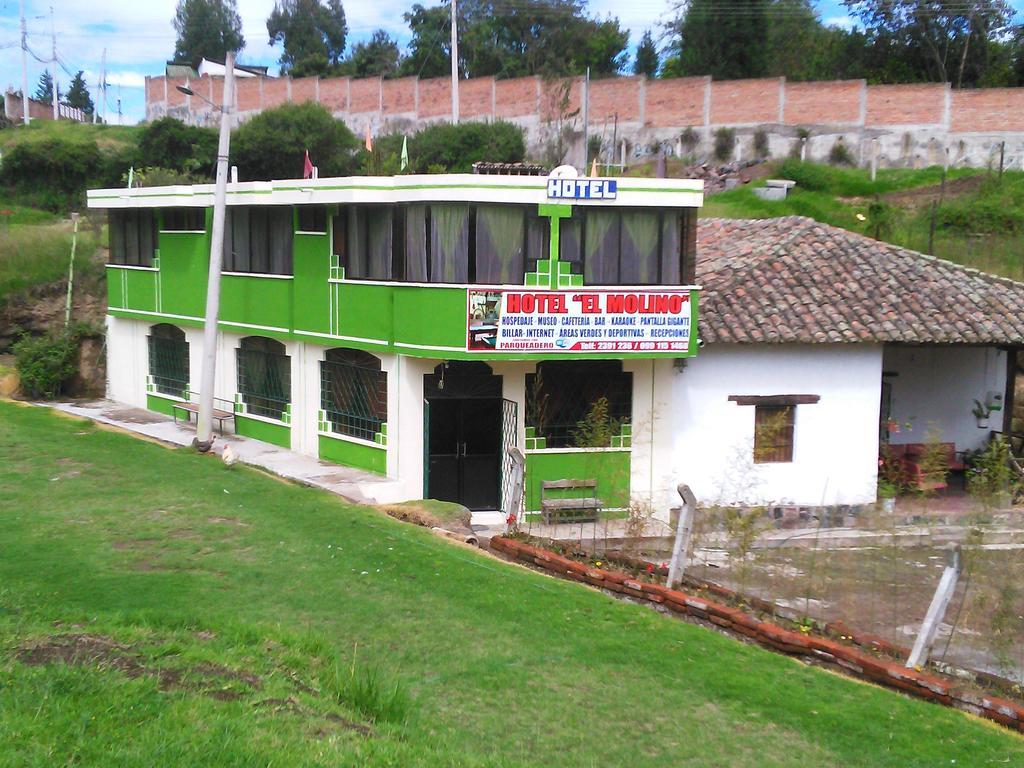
x=204 y=421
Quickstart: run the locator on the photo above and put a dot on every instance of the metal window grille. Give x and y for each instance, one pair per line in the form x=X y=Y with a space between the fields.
x=168 y=365
x=354 y=398
x=560 y=394
x=264 y=382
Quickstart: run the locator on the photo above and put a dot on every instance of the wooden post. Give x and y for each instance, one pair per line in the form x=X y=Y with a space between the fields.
x=937 y=609
x=684 y=529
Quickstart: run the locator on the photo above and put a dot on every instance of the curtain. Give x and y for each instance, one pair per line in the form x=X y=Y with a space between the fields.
x=416 y=244
x=538 y=239
x=449 y=243
x=131 y=238
x=671 y=261
x=601 y=248
x=378 y=242
x=355 y=261
x=639 y=260
x=115 y=226
x=280 y=230
x=236 y=234
x=259 y=240
x=499 y=244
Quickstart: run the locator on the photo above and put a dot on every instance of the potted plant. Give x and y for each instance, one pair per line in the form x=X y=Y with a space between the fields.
x=981 y=413
x=887 y=491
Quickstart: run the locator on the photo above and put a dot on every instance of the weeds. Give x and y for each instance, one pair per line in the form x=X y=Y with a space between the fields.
x=367 y=690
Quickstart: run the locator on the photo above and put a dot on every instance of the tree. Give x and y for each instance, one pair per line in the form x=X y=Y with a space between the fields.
x=44 y=89
x=78 y=95
x=646 y=62
x=169 y=143
x=725 y=42
x=312 y=33
x=429 y=51
x=934 y=40
x=272 y=144
x=207 y=29
x=601 y=47
x=377 y=56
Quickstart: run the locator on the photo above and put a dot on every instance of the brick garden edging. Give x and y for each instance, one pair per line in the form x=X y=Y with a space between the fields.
x=850 y=660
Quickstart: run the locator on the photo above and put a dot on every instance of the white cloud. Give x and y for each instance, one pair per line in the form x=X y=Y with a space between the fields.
x=843 y=22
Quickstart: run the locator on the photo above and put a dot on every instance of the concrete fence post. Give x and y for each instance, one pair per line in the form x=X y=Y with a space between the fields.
x=684 y=530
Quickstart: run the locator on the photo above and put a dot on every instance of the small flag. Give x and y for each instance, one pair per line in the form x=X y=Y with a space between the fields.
x=405 y=153
x=369 y=139
x=307 y=167
x=593 y=168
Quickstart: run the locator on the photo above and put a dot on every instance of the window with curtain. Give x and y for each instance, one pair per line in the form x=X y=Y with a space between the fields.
x=312 y=218
x=449 y=243
x=264 y=376
x=168 y=359
x=500 y=257
x=258 y=240
x=561 y=394
x=133 y=237
x=417 y=244
x=353 y=393
x=368 y=252
x=601 y=246
x=184 y=219
x=639 y=253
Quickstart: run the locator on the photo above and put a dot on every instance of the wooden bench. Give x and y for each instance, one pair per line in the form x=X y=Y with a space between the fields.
x=910 y=456
x=188 y=408
x=569 y=510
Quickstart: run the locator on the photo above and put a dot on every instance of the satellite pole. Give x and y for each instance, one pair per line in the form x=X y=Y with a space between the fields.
x=24 y=64
x=53 y=63
x=455 y=63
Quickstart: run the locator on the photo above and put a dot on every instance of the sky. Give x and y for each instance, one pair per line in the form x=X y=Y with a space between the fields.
x=138 y=37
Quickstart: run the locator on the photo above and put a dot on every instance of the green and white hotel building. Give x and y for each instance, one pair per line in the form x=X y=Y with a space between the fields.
x=415 y=327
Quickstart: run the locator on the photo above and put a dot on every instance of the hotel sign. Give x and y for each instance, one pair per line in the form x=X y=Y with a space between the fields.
x=579 y=321
x=582 y=189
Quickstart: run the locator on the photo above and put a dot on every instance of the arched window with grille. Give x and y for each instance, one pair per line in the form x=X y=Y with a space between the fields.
x=168 y=360
x=264 y=377
x=353 y=393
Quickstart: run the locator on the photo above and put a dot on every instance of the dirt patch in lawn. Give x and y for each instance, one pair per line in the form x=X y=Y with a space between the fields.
x=430 y=513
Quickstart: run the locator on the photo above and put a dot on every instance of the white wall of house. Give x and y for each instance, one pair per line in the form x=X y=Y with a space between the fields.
x=934 y=388
x=127 y=361
x=835 y=455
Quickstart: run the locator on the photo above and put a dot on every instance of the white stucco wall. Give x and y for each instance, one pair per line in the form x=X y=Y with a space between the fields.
x=935 y=388
x=835 y=456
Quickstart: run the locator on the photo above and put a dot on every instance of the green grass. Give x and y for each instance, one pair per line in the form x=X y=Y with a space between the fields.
x=190 y=565
x=36 y=255
x=106 y=136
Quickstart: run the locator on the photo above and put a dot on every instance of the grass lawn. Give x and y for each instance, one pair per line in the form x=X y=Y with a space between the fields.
x=211 y=615
x=33 y=254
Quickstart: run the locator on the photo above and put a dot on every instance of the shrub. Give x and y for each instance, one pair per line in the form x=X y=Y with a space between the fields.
x=761 y=143
x=597 y=428
x=594 y=146
x=840 y=154
x=169 y=143
x=457 y=147
x=161 y=177
x=690 y=139
x=273 y=144
x=53 y=172
x=725 y=140
x=990 y=476
x=46 y=363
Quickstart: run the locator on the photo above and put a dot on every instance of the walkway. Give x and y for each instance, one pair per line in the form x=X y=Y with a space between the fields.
x=351 y=484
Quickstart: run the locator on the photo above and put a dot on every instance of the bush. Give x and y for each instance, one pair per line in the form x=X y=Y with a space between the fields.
x=990 y=476
x=169 y=143
x=840 y=154
x=725 y=141
x=690 y=139
x=53 y=172
x=457 y=147
x=272 y=145
x=46 y=363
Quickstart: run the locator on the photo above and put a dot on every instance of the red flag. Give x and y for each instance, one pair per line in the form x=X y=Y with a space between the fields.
x=307 y=167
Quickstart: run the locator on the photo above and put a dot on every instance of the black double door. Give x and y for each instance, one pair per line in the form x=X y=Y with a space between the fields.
x=464 y=454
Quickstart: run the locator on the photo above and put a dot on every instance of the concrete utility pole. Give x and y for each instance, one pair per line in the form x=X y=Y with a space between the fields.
x=455 y=63
x=24 y=64
x=586 y=119
x=204 y=420
x=937 y=609
x=53 y=63
x=684 y=530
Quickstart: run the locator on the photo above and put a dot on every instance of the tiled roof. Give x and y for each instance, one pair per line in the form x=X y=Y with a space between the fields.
x=793 y=279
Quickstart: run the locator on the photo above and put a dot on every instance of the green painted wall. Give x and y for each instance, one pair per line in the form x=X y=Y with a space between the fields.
x=276 y=434
x=184 y=260
x=352 y=454
x=161 y=405
x=611 y=469
x=311 y=255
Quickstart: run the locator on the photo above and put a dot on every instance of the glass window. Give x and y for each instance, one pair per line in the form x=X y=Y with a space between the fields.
x=578 y=403
x=417 y=245
x=264 y=376
x=168 y=360
x=258 y=239
x=368 y=247
x=773 y=433
x=500 y=245
x=601 y=244
x=184 y=219
x=133 y=237
x=353 y=393
x=638 y=256
x=449 y=243
x=312 y=218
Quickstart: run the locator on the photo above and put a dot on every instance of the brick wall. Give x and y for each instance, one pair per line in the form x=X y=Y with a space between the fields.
x=830 y=103
x=247 y=93
x=304 y=89
x=334 y=93
x=435 y=97
x=676 y=103
x=516 y=98
x=923 y=104
x=616 y=95
x=476 y=98
x=399 y=96
x=365 y=95
x=745 y=102
x=275 y=91
x=976 y=111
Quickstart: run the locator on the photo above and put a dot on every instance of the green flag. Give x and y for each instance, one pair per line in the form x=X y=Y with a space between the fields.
x=405 y=153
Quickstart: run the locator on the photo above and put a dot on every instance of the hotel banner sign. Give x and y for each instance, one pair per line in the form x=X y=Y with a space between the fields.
x=579 y=321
